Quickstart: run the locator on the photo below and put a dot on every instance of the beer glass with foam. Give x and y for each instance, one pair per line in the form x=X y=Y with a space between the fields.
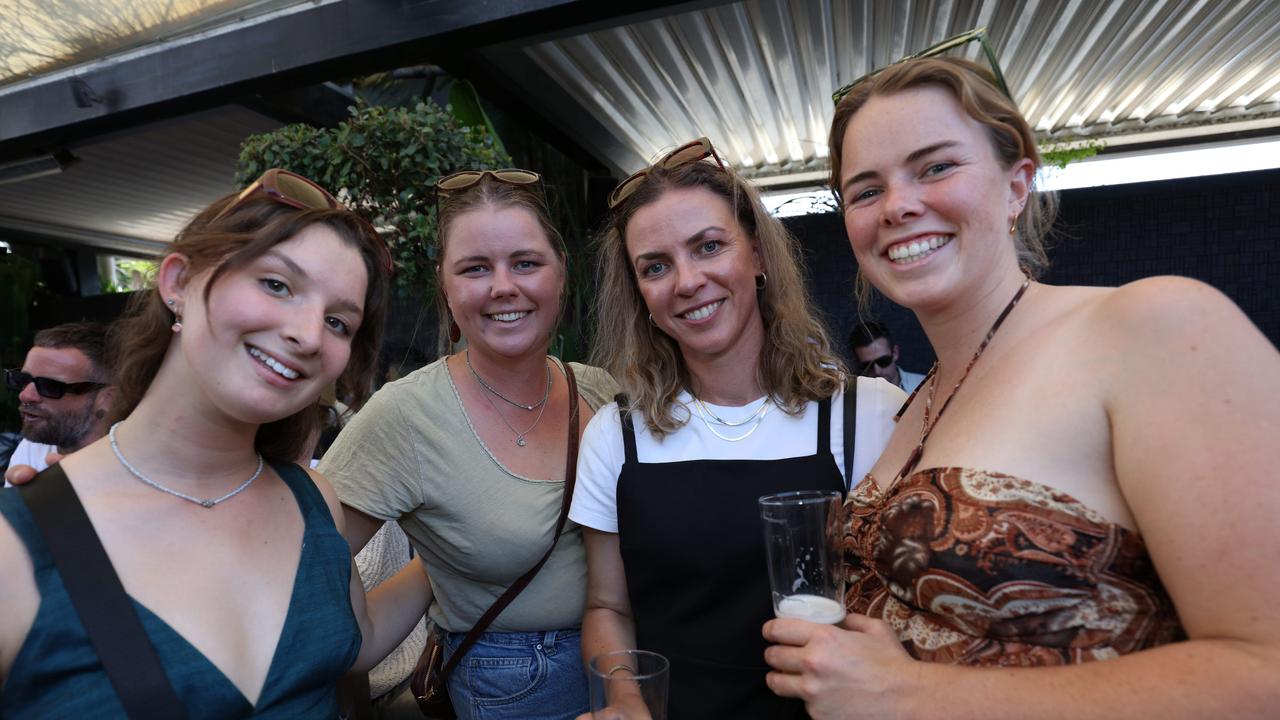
x=801 y=538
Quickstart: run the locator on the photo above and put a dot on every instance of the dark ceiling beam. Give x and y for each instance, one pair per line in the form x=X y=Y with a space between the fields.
x=301 y=45
x=322 y=105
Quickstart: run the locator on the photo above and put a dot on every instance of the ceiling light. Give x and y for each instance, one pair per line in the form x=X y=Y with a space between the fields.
x=36 y=167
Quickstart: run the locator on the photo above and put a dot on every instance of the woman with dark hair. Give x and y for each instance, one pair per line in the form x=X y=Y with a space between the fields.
x=469 y=453
x=233 y=556
x=1058 y=528
x=732 y=393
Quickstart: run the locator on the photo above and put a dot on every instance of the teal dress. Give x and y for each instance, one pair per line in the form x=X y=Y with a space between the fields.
x=57 y=674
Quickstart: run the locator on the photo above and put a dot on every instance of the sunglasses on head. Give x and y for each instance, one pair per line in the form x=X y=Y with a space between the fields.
x=881 y=362
x=296 y=191
x=466 y=179
x=978 y=35
x=16 y=380
x=690 y=152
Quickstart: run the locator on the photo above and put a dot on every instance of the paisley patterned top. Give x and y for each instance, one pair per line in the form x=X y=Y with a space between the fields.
x=978 y=568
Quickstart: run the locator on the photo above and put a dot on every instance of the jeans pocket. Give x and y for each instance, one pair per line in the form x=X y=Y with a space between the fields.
x=498 y=680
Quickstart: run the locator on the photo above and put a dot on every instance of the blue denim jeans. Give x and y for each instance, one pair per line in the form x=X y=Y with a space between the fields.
x=519 y=676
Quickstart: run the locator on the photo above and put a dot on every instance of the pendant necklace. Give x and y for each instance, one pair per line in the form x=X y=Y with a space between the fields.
x=541 y=405
x=204 y=503
x=467 y=357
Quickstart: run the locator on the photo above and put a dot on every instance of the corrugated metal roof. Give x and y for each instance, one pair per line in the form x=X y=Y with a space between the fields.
x=756 y=76
x=144 y=183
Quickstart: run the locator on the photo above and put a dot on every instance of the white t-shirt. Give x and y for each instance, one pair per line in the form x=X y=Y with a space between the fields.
x=30 y=453
x=779 y=435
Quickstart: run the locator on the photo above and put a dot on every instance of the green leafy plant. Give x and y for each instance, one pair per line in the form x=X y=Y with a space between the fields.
x=127 y=275
x=382 y=162
x=1062 y=154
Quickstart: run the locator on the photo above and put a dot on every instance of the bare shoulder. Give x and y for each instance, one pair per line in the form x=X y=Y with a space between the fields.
x=1170 y=304
x=330 y=498
x=18 y=594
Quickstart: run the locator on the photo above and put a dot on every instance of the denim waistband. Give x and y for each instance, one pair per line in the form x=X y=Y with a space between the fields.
x=546 y=638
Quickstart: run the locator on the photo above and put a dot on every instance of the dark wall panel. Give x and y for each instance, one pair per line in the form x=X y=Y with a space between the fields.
x=1223 y=229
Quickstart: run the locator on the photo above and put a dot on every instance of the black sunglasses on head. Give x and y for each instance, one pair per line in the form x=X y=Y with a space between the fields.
x=16 y=380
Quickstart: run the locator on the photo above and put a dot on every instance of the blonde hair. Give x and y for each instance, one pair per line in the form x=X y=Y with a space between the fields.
x=1011 y=137
x=490 y=193
x=796 y=362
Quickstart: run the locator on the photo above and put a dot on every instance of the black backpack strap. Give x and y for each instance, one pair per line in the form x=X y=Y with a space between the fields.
x=108 y=616
x=850 y=429
x=628 y=428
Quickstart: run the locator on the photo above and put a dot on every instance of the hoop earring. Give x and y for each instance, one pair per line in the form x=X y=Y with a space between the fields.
x=762 y=281
x=1013 y=226
x=651 y=322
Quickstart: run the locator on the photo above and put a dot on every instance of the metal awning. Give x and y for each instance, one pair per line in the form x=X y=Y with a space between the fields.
x=756 y=76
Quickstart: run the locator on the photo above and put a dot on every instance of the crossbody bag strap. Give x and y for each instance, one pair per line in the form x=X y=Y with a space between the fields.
x=570 y=477
x=850 y=430
x=99 y=599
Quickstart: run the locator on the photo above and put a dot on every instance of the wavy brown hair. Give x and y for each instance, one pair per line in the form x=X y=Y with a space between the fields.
x=218 y=245
x=490 y=193
x=973 y=86
x=796 y=362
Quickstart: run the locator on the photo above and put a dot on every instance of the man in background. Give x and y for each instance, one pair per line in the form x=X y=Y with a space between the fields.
x=876 y=355
x=64 y=392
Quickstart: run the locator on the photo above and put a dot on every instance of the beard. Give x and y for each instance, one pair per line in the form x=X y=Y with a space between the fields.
x=66 y=429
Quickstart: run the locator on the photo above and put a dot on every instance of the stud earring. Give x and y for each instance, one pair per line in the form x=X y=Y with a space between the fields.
x=176 y=327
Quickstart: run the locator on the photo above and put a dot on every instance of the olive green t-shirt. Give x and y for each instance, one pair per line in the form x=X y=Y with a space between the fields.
x=411 y=455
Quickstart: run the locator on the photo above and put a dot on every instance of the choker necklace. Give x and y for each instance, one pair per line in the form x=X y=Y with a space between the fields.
x=756 y=417
x=208 y=503
x=736 y=423
x=928 y=424
x=530 y=408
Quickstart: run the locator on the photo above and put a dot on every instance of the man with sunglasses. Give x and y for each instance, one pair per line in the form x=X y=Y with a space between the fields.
x=876 y=355
x=64 y=392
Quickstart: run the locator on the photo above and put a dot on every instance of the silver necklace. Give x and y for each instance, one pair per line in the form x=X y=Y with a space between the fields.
x=759 y=419
x=737 y=423
x=115 y=448
x=530 y=408
x=520 y=435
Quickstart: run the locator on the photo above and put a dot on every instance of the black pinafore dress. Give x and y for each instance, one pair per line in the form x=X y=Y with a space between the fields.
x=692 y=548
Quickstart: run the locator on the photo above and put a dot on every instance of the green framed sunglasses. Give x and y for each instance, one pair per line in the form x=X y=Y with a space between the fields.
x=978 y=35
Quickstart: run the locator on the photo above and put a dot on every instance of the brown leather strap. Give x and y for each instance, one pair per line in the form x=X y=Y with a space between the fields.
x=570 y=476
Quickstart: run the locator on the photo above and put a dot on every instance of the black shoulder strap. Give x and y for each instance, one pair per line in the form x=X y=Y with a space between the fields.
x=824 y=427
x=628 y=428
x=127 y=656
x=850 y=429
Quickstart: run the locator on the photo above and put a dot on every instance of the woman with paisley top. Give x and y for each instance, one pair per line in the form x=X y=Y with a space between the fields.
x=1066 y=487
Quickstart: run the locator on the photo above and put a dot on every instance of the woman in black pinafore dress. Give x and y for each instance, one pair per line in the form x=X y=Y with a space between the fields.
x=731 y=387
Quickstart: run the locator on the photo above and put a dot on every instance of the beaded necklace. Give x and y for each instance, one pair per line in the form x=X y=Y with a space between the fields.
x=927 y=426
